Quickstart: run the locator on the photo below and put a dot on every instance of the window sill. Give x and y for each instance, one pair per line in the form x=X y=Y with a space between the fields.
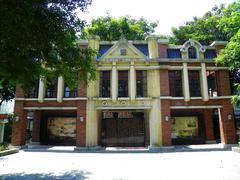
x=144 y=98
x=123 y=98
x=102 y=98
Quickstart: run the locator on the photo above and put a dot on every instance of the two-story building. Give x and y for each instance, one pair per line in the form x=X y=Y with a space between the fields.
x=147 y=93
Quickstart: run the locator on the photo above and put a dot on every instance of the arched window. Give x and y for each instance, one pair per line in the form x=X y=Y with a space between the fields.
x=192 y=53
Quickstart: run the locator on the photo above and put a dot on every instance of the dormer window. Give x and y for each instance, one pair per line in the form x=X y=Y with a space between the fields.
x=192 y=53
x=123 y=52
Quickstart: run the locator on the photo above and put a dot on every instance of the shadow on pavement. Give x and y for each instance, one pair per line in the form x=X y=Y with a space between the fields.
x=71 y=175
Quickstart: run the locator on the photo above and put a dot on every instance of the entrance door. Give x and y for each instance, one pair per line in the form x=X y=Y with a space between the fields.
x=119 y=131
x=216 y=127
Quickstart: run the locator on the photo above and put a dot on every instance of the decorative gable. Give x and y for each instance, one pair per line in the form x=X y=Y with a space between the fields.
x=123 y=51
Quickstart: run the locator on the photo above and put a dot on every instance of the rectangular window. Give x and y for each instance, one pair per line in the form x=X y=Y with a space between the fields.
x=212 y=83
x=51 y=90
x=184 y=127
x=34 y=91
x=194 y=83
x=68 y=93
x=122 y=83
x=104 y=86
x=141 y=83
x=175 y=83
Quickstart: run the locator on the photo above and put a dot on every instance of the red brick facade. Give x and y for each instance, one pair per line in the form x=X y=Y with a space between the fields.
x=169 y=107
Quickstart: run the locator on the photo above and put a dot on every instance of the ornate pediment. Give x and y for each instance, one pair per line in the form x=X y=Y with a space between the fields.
x=123 y=51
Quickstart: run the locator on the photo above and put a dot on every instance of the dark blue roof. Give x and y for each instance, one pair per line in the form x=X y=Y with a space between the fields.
x=174 y=53
x=210 y=54
x=143 y=48
x=103 y=49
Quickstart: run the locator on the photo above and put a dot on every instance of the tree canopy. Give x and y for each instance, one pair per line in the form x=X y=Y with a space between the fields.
x=38 y=37
x=109 y=28
x=221 y=23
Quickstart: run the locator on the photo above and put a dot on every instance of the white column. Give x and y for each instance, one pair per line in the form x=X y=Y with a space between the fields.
x=1 y=132
x=152 y=46
x=186 y=83
x=155 y=124
x=204 y=85
x=91 y=125
x=132 y=82
x=41 y=89
x=114 y=82
x=60 y=89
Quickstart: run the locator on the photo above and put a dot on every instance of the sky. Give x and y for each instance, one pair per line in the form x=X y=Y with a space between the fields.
x=168 y=13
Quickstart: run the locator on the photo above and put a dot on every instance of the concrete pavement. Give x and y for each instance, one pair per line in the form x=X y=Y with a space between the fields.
x=214 y=165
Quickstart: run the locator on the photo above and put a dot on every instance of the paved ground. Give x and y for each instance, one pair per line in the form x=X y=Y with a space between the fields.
x=217 y=165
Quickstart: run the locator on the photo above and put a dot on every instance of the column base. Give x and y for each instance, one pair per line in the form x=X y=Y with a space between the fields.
x=91 y=148
x=160 y=148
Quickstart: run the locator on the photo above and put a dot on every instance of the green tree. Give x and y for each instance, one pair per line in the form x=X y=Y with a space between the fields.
x=35 y=33
x=109 y=28
x=230 y=56
x=221 y=23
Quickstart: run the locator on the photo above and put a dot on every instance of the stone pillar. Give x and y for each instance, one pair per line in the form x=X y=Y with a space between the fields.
x=186 y=83
x=41 y=89
x=94 y=42
x=152 y=47
x=132 y=82
x=91 y=116
x=155 y=119
x=155 y=124
x=114 y=82
x=1 y=132
x=204 y=85
x=60 y=89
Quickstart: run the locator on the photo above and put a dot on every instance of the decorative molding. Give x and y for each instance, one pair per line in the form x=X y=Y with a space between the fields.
x=193 y=43
x=51 y=99
x=220 y=97
x=196 y=107
x=50 y=108
x=122 y=107
x=117 y=46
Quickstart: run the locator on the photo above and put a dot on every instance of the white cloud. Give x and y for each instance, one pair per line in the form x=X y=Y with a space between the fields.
x=169 y=13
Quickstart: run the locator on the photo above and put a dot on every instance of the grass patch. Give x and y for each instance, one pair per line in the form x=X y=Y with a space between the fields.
x=4 y=146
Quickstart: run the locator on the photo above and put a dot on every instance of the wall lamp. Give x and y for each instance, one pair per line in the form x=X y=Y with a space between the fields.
x=167 y=118
x=81 y=119
x=229 y=116
x=17 y=118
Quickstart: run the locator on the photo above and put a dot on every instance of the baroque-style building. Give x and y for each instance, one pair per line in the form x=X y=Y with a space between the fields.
x=147 y=93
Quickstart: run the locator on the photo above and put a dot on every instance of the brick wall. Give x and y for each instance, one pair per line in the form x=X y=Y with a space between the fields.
x=82 y=90
x=19 y=128
x=166 y=125
x=208 y=121
x=81 y=126
x=164 y=83
x=223 y=83
x=227 y=126
x=19 y=92
x=162 y=50
x=36 y=126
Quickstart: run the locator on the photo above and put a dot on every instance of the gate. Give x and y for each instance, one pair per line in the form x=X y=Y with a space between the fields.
x=123 y=132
